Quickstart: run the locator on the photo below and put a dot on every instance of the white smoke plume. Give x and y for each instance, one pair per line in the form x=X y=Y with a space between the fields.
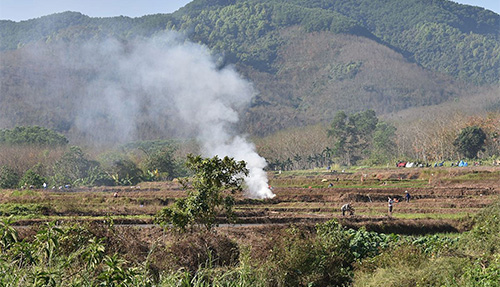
x=175 y=79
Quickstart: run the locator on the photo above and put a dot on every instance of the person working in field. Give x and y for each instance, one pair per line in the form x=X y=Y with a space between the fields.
x=407 y=196
x=347 y=208
x=390 y=203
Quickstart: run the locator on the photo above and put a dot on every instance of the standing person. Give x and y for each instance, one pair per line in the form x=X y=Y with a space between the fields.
x=407 y=196
x=390 y=202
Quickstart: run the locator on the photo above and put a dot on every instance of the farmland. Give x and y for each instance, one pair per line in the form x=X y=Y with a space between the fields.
x=105 y=235
x=443 y=199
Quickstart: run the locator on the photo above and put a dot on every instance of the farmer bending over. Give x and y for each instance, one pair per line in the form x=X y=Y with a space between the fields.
x=347 y=208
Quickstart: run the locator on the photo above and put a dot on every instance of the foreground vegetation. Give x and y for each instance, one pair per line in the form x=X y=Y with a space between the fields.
x=186 y=250
x=327 y=255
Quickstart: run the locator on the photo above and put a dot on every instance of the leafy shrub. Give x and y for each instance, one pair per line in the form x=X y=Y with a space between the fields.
x=73 y=167
x=161 y=164
x=17 y=209
x=32 y=178
x=205 y=249
x=435 y=244
x=483 y=239
x=303 y=259
x=96 y=176
x=9 y=178
x=125 y=172
x=206 y=198
x=365 y=244
x=120 y=168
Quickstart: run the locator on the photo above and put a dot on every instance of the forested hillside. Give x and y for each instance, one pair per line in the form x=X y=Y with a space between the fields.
x=307 y=59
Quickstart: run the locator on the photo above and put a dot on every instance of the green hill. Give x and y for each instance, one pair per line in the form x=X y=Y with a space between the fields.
x=307 y=59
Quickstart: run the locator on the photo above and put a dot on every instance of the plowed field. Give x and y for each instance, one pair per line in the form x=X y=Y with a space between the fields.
x=443 y=199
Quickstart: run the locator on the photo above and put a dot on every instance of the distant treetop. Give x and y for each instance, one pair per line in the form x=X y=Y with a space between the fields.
x=32 y=135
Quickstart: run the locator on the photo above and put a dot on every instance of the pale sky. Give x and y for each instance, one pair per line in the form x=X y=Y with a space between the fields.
x=18 y=10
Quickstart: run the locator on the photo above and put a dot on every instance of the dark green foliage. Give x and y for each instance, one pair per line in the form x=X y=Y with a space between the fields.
x=352 y=135
x=16 y=209
x=32 y=178
x=8 y=177
x=161 y=164
x=74 y=168
x=365 y=244
x=470 y=141
x=305 y=259
x=32 y=135
x=125 y=172
x=384 y=145
x=206 y=198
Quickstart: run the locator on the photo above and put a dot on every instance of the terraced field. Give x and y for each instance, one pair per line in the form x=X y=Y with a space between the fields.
x=443 y=200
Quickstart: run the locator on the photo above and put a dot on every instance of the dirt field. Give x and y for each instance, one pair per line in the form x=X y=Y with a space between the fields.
x=443 y=200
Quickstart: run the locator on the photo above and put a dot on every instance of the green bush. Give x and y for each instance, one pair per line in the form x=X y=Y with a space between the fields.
x=8 y=177
x=31 y=178
x=161 y=164
x=302 y=258
x=207 y=193
x=73 y=167
x=18 y=209
x=368 y=244
x=125 y=172
x=483 y=239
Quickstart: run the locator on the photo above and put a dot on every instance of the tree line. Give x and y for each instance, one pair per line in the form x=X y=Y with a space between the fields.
x=36 y=157
x=363 y=139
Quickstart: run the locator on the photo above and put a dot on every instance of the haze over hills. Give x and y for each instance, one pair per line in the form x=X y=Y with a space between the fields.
x=306 y=59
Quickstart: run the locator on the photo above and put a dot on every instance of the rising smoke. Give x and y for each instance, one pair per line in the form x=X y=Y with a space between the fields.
x=167 y=76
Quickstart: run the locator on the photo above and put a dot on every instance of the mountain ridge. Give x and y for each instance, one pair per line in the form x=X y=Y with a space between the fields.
x=307 y=59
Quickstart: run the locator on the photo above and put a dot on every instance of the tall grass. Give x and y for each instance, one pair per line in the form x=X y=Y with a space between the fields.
x=328 y=255
x=469 y=259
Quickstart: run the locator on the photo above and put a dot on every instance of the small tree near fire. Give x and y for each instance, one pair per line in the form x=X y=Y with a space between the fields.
x=209 y=192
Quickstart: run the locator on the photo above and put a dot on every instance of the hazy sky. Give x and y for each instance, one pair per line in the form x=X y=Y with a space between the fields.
x=18 y=10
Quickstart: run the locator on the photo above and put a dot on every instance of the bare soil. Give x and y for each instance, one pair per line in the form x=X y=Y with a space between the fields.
x=443 y=200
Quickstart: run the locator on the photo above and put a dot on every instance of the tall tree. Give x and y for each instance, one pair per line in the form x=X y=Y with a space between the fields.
x=352 y=134
x=383 y=146
x=470 y=141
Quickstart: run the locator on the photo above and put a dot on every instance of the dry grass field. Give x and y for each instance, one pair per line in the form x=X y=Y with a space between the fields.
x=443 y=200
